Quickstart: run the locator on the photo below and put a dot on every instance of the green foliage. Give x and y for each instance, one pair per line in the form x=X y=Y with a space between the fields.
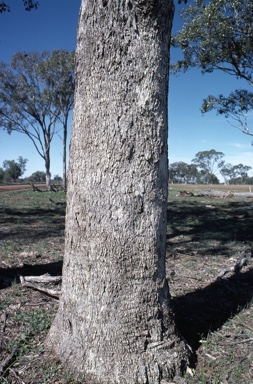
x=28 y=5
x=12 y=170
x=32 y=324
x=1 y=174
x=204 y=167
x=36 y=93
x=209 y=162
x=235 y=174
x=218 y=35
x=181 y=172
x=57 y=71
x=57 y=178
x=236 y=107
x=37 y=176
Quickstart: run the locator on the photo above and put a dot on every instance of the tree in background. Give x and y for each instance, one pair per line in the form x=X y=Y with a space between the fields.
x=235 y=174
x=38 y=177
x=1 y=175
x=58 y=73
x=208 y=163
x=29 y=103
x=181 y=172
x=218 y=35
x=13 y=170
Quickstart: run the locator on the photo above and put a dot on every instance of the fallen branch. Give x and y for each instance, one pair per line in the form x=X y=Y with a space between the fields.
x=236 y=268
x=35 y=189
x=50 y=292
x=42 y=279
x=57 y=202
x=185 y=194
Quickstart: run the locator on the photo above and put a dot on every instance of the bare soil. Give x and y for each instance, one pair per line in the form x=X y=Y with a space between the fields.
x=19 y=187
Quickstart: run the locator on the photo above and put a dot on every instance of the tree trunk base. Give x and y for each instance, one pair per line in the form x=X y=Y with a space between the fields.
x=158 y=363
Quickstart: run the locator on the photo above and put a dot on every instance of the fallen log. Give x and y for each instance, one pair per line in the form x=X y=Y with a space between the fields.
x=222 y=194
x=46 y=278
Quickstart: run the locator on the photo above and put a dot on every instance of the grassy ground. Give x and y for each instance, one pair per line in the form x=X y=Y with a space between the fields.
x=205 y=235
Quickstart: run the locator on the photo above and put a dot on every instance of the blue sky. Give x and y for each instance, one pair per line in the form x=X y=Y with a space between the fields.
x=54 y=26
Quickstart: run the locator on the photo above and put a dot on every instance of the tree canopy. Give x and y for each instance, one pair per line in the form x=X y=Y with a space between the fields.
x=28 y=5
x=218 y=35
x=36 y=92
x=204 y=168
x=12 y=169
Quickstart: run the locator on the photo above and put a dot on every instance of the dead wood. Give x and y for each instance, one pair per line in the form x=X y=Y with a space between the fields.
x=43 y=279
x=185 y=194
x=224 y=195
x=50 y=292
x=35 y=189
x=236 y=268
x=57 y=202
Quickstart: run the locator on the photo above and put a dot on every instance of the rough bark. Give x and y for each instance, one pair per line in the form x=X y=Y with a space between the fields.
x=114 y=323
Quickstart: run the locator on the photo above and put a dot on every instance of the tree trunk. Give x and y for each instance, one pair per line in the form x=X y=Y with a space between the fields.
x=48 y=174
x=114 y=323
x=64 y=158
x=47 y=143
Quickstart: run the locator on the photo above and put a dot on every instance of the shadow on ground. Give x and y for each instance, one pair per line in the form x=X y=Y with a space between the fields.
x=230 y=221
x=31 y=224
x=206 y=310
x=10 y=275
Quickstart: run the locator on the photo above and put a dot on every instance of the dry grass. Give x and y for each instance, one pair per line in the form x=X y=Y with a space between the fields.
x=204 y=236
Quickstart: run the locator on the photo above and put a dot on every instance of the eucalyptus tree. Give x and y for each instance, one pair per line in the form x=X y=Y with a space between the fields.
x=218 y=35
x=181 y=172
x=30 y=104
x=14 y=169
x=57 y=71
x=114 y=323
x=209 y=163
x=235 y=174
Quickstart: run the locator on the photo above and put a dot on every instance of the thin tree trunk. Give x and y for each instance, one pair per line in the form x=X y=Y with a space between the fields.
x=47 y=159
x=114 y=323
x=64 y=159
x=48 y=174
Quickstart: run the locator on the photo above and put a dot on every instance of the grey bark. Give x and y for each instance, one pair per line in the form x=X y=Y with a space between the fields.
x=114 y=323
